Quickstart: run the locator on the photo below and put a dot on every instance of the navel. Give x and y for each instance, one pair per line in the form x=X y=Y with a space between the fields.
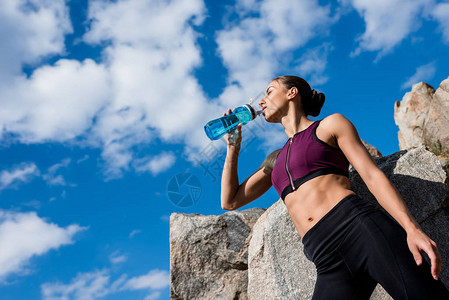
x=310 y=219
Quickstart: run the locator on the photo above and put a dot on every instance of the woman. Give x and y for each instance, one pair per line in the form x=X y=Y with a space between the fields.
x=353 y=244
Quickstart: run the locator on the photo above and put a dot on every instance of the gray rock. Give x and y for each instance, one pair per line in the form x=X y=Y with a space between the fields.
x=372 y=150
x=278 y=269
x=208 y=254
x=436 y=133
x=407 y=171
x=423 y=117
x=411 y=113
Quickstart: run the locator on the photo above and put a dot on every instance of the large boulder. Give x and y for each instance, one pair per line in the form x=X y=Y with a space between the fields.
x=277 y=267
x=418 y=176
x=423 y=117
x=208 y=254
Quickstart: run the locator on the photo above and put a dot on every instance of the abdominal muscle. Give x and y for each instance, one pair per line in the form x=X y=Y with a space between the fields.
x=314 y=199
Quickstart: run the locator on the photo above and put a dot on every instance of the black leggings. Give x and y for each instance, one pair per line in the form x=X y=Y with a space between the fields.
x=355 y=246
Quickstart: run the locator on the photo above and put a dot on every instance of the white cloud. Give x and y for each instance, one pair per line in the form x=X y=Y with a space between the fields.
x=151 y=56
x=153 y=296
x=63 y=164
x=35 y=204
x=134 y=232
x=84 y=158
x=155 y=164
x=21 y=173
x=56 y=179
x=57 y=103
x=387 y=22
x=312 y=65
x=155 y=279
x=85 y=286
x=26 y=235
x=143 y=86
x=423 y=73
x=441 y=13
x=97 y=284
x=116 y=258
x=295 y=23
x=29 y=31
x=154 y=22
x=255 y=49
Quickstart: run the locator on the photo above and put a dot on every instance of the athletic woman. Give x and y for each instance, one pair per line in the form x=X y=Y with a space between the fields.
x=353 y=244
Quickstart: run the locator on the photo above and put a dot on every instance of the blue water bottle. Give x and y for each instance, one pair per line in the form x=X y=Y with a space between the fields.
x=216 y=128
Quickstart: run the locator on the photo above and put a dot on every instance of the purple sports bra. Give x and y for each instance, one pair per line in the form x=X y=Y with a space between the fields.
x=303 y=157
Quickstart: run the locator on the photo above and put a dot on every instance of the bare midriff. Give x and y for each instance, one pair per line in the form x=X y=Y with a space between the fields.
x=314 y=199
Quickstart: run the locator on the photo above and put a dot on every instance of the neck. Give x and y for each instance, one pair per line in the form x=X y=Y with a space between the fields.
x=295 y=121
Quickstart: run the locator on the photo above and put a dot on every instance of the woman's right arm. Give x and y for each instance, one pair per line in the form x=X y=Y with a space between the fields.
x=233 y=194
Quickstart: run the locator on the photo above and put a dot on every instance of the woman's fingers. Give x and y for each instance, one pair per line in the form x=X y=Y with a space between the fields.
x=234 y=137
x=418 y=242
x=435 y=260
x=416 y=255
x=239 y=130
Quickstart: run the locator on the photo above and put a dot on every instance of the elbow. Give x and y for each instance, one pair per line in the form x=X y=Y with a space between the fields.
x=227 y=203
x=227 y=207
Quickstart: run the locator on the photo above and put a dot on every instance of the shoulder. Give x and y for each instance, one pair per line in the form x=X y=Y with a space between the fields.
x=334 y=119
x=336 y=123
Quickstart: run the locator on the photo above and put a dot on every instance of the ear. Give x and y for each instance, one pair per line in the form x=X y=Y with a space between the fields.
x=292 y=93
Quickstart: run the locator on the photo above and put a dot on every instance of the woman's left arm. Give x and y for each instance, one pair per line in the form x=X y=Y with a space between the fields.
x=386 y=194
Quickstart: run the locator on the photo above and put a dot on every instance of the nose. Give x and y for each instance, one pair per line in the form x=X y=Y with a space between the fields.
x=262 y=101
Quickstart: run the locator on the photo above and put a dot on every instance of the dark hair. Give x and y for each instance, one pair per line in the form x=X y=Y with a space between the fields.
x=311 y=100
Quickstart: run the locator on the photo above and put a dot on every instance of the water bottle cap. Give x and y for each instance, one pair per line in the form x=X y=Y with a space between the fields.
x=251 y=109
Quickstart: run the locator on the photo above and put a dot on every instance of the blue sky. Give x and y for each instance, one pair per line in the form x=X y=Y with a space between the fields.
x=103 y=105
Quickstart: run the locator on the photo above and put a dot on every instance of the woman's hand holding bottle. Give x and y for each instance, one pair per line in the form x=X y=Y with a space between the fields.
x=234 y=138
x=229 y=178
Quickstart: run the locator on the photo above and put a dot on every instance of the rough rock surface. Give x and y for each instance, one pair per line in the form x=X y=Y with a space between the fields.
x=208 y=254
x=278 y=268
x=423 y=117
x=372 y=150
x=418 y=176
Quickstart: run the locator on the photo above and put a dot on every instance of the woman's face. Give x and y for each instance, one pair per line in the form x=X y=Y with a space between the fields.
x=275 y=103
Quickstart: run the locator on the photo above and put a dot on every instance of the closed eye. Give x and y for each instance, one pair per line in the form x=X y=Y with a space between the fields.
x=269 y=89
